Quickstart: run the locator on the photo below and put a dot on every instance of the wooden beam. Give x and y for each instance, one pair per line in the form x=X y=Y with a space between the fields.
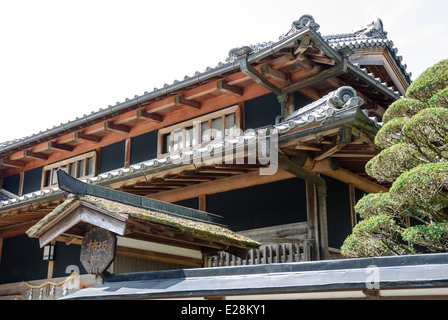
x=145 y=115
x=158 y=256
x=110 y=126
x=35 y=155
x=305 y=73
x=323 y=60
x=12 y=163
x=222 y=185
x=359 y=182
x=305 y=44
x=273 y=74
x=59 y=147
x=223 y=86
x=86 y=137
x=331 y=150
x=180 y=100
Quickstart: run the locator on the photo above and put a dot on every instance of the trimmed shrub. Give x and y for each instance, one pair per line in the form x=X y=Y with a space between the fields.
x=390 y=133
x=429 y=82
x=390 y=163
x=440 y=99
x=404 y=107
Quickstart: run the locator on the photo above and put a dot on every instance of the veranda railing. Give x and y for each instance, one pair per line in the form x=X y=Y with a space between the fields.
x=266 y=254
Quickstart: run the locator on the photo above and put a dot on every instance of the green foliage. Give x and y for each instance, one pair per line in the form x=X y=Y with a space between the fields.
x=433 y=236
x=374 y=204
x=415 y=160
x=404 y=107
x=376 y=236
x=440 y=99
x=391 y=133
x=424 y=186
x=390 y=163
x=428 y=128
x=429 y=82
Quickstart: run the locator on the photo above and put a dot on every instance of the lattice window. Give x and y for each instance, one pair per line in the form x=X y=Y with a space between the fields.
x=81 y=167
x=199 y=131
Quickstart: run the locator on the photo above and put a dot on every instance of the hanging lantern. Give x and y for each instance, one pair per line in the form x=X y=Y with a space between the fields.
x=48 y=252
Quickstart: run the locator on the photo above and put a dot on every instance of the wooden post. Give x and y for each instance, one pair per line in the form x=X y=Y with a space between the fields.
x=127 y=153
x=312 y=218
x=351 y=195
x=290 y=108
x=323 y=229
x=203 y=202
x=21 y=181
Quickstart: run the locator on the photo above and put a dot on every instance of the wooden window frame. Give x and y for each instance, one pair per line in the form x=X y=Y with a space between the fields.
x=67 y=162
x=197 y=122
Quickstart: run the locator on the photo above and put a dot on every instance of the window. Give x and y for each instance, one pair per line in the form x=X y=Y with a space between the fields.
x=81 y=167
x=199 y=131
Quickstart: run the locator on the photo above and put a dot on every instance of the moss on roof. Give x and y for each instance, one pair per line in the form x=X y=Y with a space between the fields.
x=196 y=228
x=31 y=232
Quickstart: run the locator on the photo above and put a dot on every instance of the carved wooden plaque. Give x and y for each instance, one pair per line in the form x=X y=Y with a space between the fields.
x=97 y=250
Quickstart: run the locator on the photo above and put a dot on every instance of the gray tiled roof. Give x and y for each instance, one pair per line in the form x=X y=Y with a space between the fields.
x=367 y=37
x=6 y=195
x=370 y=37
x=324 y=109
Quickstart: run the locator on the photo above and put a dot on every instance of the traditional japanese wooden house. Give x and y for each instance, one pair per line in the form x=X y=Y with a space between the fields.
x=257 y=160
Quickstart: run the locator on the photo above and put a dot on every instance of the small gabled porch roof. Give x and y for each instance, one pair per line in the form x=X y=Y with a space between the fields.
x=136 y=217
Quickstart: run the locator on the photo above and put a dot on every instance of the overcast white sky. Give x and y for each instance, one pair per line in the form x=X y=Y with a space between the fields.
x=62 y=59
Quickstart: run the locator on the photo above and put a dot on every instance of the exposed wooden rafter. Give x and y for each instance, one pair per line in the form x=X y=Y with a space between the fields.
x=223 y=86
x=180 y=100
x=86 y=137
x=143 y=114
x=35 y=155
x=273 y=74
x=12 y=163
x=52 y=145
x=110 y=126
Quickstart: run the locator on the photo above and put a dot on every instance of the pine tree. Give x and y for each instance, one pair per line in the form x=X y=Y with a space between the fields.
x=413 y=216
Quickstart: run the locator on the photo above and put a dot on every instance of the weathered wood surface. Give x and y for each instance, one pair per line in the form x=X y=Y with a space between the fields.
x=266 y=254
x=97 y=250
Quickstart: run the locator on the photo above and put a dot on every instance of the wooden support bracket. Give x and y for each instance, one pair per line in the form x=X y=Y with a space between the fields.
x=273 y=74
x=110 y=126
x=343 y=138
x=35 y=155
x=143 y=114
x=81 y=136
x=223 y=86
x=180 y=100
x=59 y=147
x=12 y=163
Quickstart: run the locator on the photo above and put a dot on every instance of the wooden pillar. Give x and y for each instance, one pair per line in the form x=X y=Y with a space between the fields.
x=203 y=202
x=351 y=196
x=21 y=181
x=312 y=218
x=323 y=228
x=127 y=153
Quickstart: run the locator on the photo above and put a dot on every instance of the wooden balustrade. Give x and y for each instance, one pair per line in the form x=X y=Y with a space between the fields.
x=267 y=254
